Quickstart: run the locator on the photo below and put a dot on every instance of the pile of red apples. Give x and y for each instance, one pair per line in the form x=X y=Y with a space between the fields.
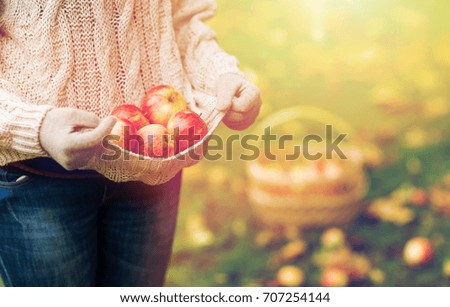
x=162 y=127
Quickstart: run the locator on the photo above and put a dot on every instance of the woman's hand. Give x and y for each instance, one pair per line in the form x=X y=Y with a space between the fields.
x=71 y=137
x=240 y=98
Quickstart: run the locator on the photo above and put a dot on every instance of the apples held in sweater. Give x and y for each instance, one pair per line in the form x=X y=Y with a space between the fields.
x=156 y=141
x=132 y=114
x=161 y=128
x=187 y=129
x=161 y=102
x=124 y=135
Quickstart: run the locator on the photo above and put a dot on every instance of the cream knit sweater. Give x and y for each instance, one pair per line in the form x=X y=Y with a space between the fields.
x=95 y=55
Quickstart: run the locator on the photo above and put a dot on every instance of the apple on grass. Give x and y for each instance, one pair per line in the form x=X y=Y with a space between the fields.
x=161 y=102
x=156 y=141
x=419 y=197
x=418 y=251
x=333 y=237
x=124 y=135
x=290 y=276
x=187 y=128
x=132 y=114
x=334 y=277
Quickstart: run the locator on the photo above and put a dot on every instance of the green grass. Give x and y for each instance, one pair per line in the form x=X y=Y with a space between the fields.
x=234 y=260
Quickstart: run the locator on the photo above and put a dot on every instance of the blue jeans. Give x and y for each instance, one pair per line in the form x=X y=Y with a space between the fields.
x=85 y=232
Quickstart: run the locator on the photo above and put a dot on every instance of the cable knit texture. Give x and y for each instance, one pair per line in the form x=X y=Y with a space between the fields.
x=97 y=54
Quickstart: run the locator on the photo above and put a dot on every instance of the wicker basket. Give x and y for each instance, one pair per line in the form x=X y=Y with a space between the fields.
x=294 y=195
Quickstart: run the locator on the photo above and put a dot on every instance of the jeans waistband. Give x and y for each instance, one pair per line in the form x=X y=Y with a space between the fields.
x=49 y=167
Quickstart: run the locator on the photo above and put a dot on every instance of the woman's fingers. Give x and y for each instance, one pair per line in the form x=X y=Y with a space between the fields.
x=94 y=137
x=227 y=87
x=241 y=121
x=247 y=99
x=240 y=99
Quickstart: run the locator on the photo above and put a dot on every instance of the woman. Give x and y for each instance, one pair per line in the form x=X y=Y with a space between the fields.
x=64 y=65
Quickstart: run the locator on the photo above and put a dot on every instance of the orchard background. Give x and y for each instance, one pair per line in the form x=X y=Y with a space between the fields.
x=383 y=66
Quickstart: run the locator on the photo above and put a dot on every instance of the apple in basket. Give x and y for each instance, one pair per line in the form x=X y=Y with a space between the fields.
x=161 y=102
x=187 y=128
x=156 y=141
x=124 y=134
x=132 y=114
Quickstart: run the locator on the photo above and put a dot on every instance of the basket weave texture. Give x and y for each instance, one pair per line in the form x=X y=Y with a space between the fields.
x=313 y=205
x=288 y=196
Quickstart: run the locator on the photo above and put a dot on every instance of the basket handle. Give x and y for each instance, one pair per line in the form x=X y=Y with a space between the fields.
x=304 y=112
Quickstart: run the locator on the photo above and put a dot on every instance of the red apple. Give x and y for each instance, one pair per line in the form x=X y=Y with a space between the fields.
x=188 y=128
x=333 y=237
x=418 y=251
x=419 y=197
x=131 y=113
x=161 y=102
x=334 y=277
x=290 y=276
x=156 y=141
x=126 y=132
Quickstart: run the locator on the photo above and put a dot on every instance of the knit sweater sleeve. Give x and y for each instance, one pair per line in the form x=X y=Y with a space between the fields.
x=203 y=60
x=19 y=128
